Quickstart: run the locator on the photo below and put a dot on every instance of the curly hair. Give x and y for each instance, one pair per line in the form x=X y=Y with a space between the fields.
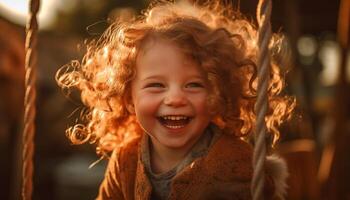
x=219 y=38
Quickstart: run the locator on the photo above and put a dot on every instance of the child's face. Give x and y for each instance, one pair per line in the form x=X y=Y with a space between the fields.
x=169 y=94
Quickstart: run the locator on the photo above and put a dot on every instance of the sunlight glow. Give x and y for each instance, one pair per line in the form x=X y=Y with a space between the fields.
x=329 y=56
x=307 y=47
x=17 y=11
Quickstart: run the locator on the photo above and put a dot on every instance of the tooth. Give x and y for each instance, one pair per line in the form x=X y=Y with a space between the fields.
x=172 y=117
x=174 y=127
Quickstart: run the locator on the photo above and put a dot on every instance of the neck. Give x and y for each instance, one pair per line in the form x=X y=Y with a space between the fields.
x=163 y=158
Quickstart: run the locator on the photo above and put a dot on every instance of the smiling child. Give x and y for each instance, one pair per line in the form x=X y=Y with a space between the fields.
x=171 y=95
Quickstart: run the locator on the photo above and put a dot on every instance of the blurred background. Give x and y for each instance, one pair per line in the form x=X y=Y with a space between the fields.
x=315 y=143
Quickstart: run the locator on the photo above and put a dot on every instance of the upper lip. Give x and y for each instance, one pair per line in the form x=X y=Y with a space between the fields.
x=174 y=115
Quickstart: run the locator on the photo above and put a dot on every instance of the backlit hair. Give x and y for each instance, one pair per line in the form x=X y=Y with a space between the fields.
x=218 y=38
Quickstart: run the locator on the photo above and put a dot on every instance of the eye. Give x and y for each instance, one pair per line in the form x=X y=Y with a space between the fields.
x=195 y=85
x=156 y=85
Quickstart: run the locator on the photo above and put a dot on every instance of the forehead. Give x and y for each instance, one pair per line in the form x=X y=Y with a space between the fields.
x=159 y=55
x=154 y=50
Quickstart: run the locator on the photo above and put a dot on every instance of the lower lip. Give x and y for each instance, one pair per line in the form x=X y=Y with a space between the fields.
x=174 y=130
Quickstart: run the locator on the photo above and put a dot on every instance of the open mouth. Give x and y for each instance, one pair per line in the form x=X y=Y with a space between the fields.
x=174 y=121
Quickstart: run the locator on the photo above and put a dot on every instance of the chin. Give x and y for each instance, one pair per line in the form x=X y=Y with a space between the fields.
x=175 y=144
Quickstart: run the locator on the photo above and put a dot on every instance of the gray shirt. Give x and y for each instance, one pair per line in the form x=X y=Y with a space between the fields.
x=161 y=183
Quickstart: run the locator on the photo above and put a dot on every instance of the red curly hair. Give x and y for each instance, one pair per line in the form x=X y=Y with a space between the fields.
x=220 y=39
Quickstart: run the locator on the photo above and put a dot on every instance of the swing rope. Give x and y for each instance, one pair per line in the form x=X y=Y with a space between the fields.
x=29 y=100
x=261 y=106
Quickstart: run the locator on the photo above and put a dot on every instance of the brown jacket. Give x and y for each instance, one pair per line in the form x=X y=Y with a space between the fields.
x=224 y=173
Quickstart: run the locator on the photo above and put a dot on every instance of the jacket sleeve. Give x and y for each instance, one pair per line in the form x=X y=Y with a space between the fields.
x=110 y=187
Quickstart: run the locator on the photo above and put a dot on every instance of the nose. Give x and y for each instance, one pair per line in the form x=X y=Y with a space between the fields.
x=175 y=97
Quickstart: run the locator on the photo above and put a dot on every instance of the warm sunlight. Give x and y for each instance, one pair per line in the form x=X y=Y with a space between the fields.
x=16 y=11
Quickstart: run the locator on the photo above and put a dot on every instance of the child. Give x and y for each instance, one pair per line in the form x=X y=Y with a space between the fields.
x=171 y=94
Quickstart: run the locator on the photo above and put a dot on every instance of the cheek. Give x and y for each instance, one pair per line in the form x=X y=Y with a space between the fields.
x=146 y=104
x=200 y=103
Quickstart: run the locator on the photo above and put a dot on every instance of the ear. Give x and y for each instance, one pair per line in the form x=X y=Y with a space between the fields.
x=127 y=100
x=130 y=107
x=217 y=120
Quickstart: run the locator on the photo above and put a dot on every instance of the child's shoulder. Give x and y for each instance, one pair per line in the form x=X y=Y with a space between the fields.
x=127 y=153
x=230 y=146
x=231 y=153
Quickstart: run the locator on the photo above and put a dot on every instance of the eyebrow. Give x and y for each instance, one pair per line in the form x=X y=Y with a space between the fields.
x=161 y=77
x=152 y=77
